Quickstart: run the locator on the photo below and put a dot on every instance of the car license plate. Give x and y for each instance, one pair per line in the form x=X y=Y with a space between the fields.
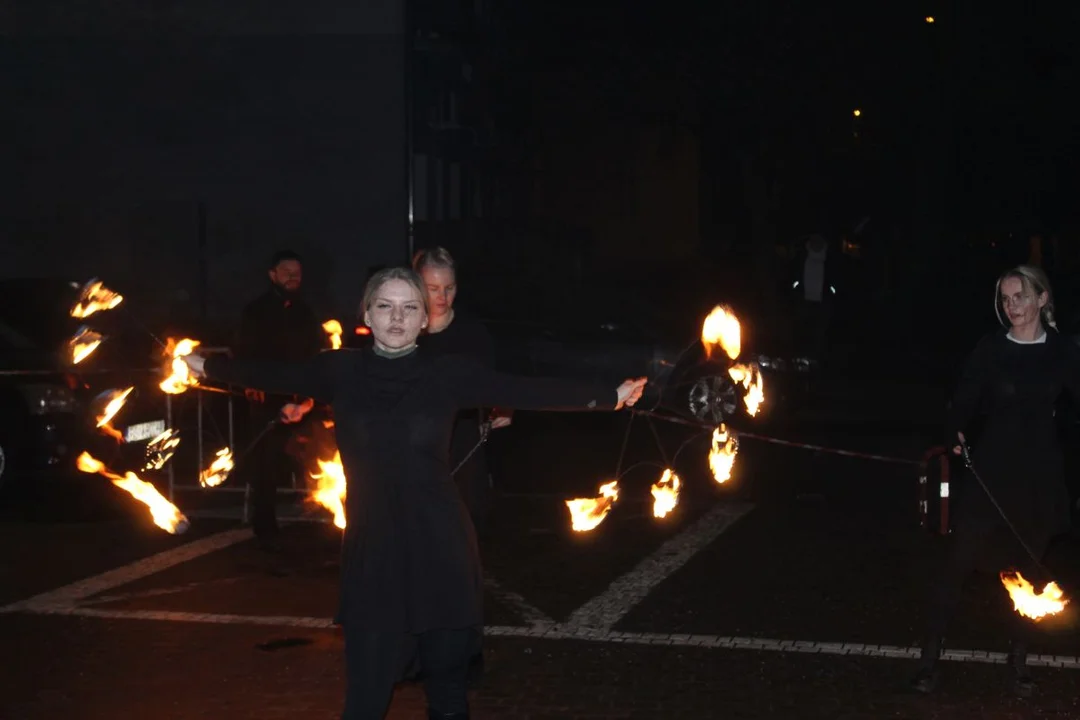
x=144 y=431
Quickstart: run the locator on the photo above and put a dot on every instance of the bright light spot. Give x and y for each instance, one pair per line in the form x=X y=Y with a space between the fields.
x=929 y=19
x=857 y=113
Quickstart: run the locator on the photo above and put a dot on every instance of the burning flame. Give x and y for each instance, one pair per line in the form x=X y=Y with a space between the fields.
x=1050 y=601
x=722 y=328
x=330 y=490
x=94 y=297
x=725 y=446
x=166 y=515
x=587 y=513
x=160 y=449
x=749 y=376
x=85 y=342
x=665 y=494
x=116 y=400
x=219 y=469
x=180 y=378
x=333 y=329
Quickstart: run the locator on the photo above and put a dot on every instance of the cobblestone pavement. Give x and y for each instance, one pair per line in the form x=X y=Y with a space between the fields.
x=794 y=591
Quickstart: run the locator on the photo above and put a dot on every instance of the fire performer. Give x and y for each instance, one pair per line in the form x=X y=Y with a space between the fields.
x=277 y=325
x=1013 y=378
x=452 y=332
x=411 y=573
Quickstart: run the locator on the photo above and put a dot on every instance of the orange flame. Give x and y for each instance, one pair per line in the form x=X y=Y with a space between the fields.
x=749 y=376
x=94 y=297
x=180 y=377
x=1050 y=601
x=330 y=489
x=333 y=329
x=219 y=469
x=117 y=398
x=665 y=494
x=722 y=328
x=160 y=449
x=725 y=446
x=587 y=513
x=166 y=515
x=85 y=342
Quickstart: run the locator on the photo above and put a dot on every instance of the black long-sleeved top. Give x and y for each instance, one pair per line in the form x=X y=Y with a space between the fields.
x=409 y=561
x=1013 y=388
x=279 y=326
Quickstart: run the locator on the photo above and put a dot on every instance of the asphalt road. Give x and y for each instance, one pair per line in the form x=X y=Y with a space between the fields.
x=792 y=591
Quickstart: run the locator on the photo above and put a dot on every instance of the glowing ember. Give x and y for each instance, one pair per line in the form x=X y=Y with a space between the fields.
x=160 y=449
x=180 y=377
x=219 y=469
x=94 y=297
x=587 y=513
x=114 y=400
x=85 y=342
x=166 y=515
x=333 y=329
x=722 y=328
x=665 y=494
x=330 y=489
x=749 y=376
x=1050 y=601
x=722 y=456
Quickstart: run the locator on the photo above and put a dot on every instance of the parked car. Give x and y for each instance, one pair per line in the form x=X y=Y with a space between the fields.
x=49 y=406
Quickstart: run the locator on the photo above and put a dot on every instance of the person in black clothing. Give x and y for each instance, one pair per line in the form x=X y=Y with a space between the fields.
x=452 y=332
x=277 y=325
x=1013 y=379
x=410 y=571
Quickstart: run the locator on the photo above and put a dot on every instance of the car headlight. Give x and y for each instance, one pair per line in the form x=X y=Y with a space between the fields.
x=45 y=399
x=768 y=362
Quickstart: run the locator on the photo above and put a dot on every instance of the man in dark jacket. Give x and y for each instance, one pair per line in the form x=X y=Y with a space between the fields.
x=277 y=325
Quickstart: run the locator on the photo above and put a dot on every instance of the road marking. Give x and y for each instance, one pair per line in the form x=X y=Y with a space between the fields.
x=565 y=632
x=610 y=606
x=528 y=612
x=69 y=595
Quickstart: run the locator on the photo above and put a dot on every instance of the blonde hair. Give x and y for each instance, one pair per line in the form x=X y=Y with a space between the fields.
x=375 y=283
x=436 y=257
x=1034 y=281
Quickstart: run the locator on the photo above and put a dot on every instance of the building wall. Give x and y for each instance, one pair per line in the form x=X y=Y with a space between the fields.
x=291 y=140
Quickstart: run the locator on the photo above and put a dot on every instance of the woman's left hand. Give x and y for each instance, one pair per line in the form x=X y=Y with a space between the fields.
x=501 y=418
x=630 y=392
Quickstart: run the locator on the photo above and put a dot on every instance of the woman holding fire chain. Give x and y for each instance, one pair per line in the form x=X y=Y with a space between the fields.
x=1014 y=378
x=410 y=572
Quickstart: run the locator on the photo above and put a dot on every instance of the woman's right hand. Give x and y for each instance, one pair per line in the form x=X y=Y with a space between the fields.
x=958 y=450
x=630 y=392
x=196 y=364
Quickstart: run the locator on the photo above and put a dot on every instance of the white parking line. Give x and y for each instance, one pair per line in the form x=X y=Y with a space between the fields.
x=607 y=608
x=564 y=632
x=69 y=595
x=528 y=612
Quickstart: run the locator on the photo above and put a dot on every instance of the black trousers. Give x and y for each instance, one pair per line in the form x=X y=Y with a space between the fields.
x=374 y=662
x=979 y=528
x=270 y=467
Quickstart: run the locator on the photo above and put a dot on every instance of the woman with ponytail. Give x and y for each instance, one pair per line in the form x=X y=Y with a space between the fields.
x=1008 y=389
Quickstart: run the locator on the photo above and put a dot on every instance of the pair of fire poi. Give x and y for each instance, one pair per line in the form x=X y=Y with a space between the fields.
x=720 y=330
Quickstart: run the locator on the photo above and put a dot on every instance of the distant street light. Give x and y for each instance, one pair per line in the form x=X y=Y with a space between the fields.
x=929 y=19
x=857 y=112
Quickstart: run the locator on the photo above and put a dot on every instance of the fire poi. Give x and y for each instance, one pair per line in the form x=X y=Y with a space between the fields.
x=219 y=469
x=749 y=376
x=85 y=342
x=160 y=449
x=93 y=298
x=113 y=401
x=721 y=327
x=1030 y=604
x=166 y=515
x=665 y=493
x=725 y=446
x=587 y=513
x=333 y=329
x=330 y=488
x=180 y=377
